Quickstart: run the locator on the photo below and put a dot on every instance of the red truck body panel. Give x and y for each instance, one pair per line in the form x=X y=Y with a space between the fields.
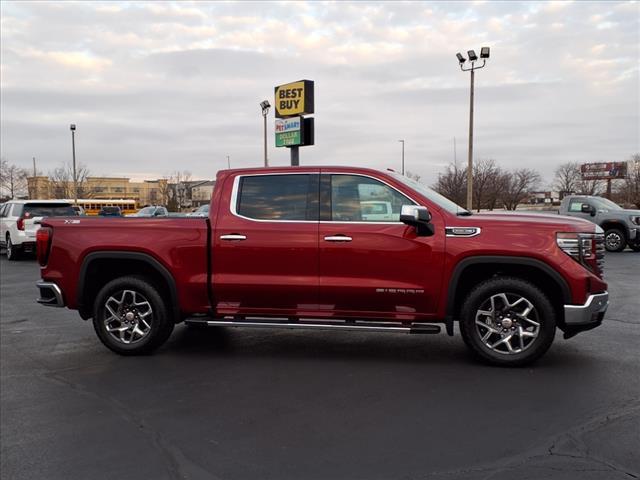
x=179 y=244
x=286 y=268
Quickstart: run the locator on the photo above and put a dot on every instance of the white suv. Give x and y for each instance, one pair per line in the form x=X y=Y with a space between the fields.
x=18 y=222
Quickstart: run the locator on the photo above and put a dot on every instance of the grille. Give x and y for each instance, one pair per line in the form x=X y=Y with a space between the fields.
x=599 y=238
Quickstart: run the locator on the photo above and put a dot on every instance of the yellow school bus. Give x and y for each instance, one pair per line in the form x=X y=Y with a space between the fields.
x=92 y=206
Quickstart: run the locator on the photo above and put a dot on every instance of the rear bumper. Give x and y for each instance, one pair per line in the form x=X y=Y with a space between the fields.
x=50 y=294
x=578 y=318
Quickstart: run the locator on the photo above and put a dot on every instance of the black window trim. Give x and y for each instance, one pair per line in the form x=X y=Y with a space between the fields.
x=235 y=196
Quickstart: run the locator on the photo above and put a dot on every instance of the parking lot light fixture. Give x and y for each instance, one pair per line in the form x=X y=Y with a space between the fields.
x=265 y=106
x=473 y=58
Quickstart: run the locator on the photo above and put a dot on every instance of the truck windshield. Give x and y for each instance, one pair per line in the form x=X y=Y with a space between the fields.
x=606 y=204
x=432 y=195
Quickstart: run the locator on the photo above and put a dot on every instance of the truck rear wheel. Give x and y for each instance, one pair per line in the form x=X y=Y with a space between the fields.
x=507 y=321
x=614 y=240
x=130 y=317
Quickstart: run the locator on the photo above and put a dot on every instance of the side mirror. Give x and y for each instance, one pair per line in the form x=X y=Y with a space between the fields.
x=586 y=208
x=418 y=217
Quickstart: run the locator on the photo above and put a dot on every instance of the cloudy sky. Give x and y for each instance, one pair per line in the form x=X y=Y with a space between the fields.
x=155 y=87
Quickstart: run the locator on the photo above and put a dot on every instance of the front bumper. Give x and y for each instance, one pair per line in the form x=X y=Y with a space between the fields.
x=50 y=294
x=578 y=318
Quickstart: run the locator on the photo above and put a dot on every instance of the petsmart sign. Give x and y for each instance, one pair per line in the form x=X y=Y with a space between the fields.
x=288 y=132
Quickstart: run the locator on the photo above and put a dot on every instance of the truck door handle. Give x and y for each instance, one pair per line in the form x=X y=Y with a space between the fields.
x=337 y=238
x=233 y=237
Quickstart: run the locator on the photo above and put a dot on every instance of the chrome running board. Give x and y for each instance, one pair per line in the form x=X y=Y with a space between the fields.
x=359 y=326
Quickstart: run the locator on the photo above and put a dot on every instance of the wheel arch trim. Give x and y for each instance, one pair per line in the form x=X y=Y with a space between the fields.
x=509 y=260
x=117 y=255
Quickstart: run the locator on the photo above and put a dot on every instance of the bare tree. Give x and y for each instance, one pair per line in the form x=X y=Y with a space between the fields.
x=61 y=179
x=182 y=179
x=413 y=176
x=517 y=185
x=629 y=191
x=13 y=179
x=453 y=184
x=485 y=173
x=567 y=178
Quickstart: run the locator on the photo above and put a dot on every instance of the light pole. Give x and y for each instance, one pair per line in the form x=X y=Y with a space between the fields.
x=228 y=162
x=473 y=58
x=402 y=142
x=265 y=110
x=73 y=149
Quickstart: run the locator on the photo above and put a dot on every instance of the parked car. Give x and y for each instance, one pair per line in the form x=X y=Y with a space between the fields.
x=78 y=209
x=110 y=212
x=151 y=211
x=621 y=226
x=19 y=223
x=289 y=248
x=202 y=211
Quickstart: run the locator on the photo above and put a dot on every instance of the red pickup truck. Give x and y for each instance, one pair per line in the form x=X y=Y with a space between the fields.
x=302 y=247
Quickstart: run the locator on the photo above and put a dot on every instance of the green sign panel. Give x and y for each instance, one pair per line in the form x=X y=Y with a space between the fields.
x=288 y=132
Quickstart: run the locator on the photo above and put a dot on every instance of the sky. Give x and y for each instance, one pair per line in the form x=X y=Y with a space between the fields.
x=162 y=86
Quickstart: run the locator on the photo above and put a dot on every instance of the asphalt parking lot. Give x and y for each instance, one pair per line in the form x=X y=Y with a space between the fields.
x=240 y=404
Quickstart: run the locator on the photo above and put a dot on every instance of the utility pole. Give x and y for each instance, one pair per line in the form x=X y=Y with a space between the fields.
x=34 y=168
x=228 y=162
x=75 y=177
x=402 y=141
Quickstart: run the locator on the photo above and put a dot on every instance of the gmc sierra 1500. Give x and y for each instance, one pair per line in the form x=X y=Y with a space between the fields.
x=294 y=247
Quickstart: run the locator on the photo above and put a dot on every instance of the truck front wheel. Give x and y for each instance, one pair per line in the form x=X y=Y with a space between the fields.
x=130 y=317
x=614 y=240
x=507 y=321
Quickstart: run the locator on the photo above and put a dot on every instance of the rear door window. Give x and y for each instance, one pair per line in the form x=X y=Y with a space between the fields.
x=48 y=210
x=279 y=197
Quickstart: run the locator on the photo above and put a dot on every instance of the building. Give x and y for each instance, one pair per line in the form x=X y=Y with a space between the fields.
x=201 y=192
x=544 y=198
x=147 y=192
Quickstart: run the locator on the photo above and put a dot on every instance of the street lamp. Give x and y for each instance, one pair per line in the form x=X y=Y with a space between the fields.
x=402 y=141
x=73 y=149
x=265 y=111
x=473 y=58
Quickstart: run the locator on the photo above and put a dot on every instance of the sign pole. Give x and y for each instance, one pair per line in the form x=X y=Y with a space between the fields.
x=295 y=156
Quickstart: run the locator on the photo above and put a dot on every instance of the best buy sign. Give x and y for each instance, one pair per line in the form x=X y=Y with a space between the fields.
x=288 y=131
x=294 y=98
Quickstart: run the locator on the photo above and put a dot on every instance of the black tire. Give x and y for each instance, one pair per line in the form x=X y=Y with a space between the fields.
x=156 y=326
x=513 y=288
x=13 y=251
x=614 y=240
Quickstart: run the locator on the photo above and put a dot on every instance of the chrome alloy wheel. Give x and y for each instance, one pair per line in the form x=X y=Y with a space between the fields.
x=507 y=323
x=128 y=316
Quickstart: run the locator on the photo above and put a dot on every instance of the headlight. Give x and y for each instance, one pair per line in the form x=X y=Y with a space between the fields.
x=635 y=219
x=576 y=245
x=585 y=248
